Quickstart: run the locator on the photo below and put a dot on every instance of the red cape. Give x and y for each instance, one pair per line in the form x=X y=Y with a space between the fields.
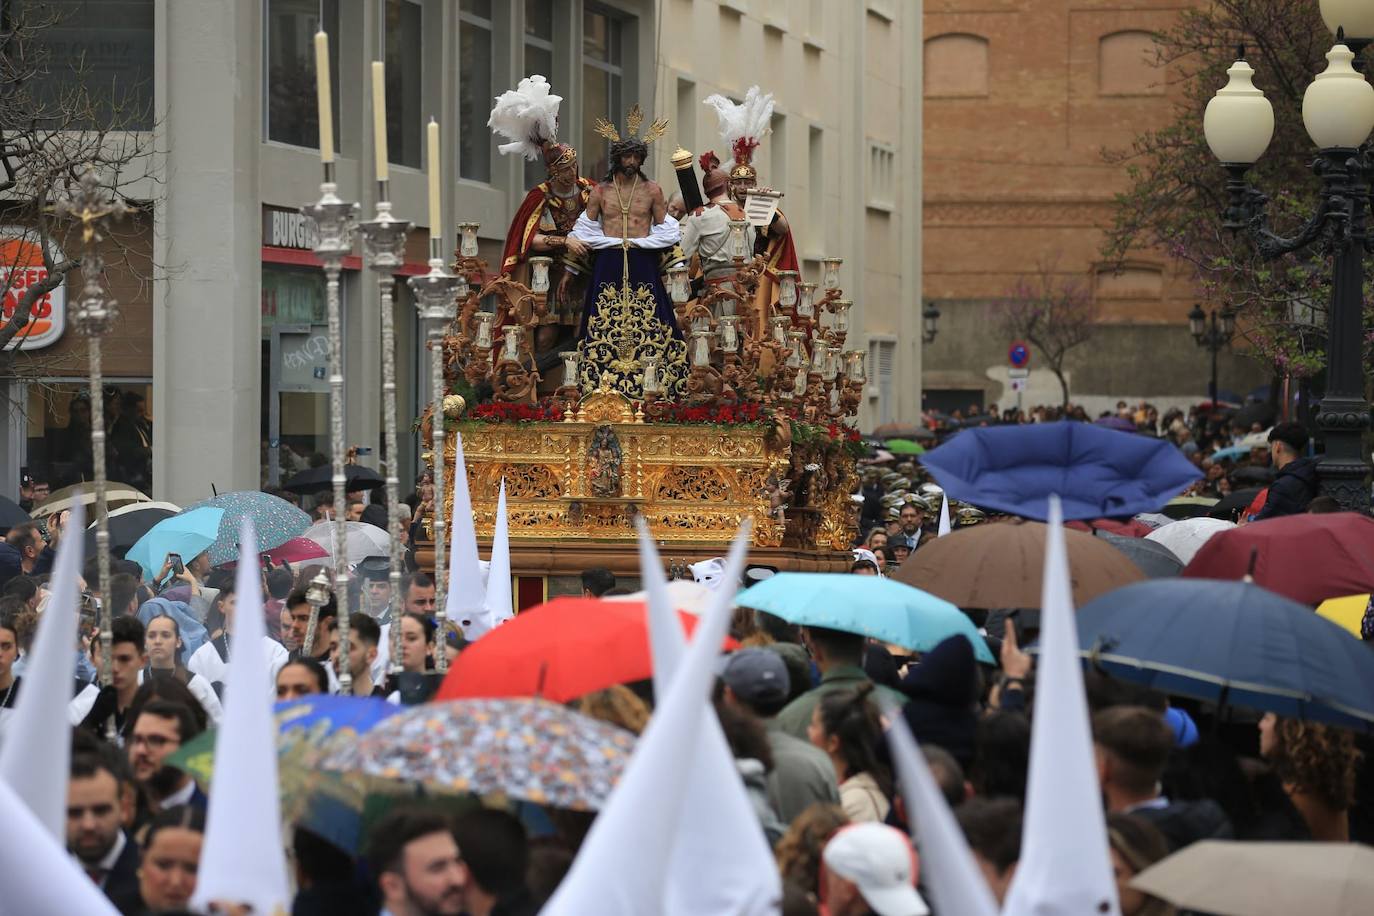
x=526 y=223
x=782 y=255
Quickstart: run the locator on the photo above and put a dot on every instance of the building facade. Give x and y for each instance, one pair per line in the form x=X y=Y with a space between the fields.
x=1021 y=101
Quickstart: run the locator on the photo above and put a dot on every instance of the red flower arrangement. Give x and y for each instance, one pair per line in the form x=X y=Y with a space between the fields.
x=720 y=415
x=496 y=411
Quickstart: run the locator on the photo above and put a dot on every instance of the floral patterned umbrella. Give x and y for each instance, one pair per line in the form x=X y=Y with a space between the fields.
x=524 y=748
x=275 y=519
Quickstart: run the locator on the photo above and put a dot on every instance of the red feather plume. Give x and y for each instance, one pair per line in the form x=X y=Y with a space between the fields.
x=708 y=161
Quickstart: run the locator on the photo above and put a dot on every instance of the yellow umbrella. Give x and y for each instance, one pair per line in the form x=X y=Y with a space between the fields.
x=1347 y=611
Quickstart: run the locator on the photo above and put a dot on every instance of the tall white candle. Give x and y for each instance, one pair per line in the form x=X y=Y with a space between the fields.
x=379 y=117
x=323 y=100
x=436 y=225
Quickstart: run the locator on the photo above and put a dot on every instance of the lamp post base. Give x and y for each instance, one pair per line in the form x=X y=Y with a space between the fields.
x=1344 y=471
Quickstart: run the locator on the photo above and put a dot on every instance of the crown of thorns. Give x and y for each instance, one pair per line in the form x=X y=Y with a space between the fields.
x=633 y=119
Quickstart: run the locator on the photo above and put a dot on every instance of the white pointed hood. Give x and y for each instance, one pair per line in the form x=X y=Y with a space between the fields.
x=496 y=604
x=40 y=877
x=466 y=587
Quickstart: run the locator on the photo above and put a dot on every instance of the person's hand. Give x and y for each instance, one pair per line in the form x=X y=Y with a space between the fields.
x=563 y=285
x=577 y=248
x=1015 y=663
x=166 y=568
x=55 y=525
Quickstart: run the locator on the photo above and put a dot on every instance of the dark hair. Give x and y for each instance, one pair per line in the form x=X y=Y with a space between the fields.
x=426 y=623
x=297 y=598
x=992 y=827
x=863 y=564
x=421 y=579
x=21 y=587
x=745 y=733
x=214 y=618
x=493 y=845
x=1293 y=435
x=777 y=628
x=314 y=667
x=168 y=690
x=186 y=817
x=127 y=628
x=947 y=772
x=180 y=712
x=598 y=580
x=1140 y=741
x=852 y=717
x=364 y=628
x=163 y=615
x=1002 y=755
x=123 y=588
x=23 y=536
x=89 y=759
x=1138 y=841
x=279 y=582
x=847 y=648
x=622 y=148
x=320 y=860
x=90 y=571
x=1324 y=504
x=549 y=861
x=398 y=829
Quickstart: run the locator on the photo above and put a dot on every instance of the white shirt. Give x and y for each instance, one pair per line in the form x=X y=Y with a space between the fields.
x=181 y=796
x=204 y=693
x=106 y=865
x=207 y=663
x=81 y=704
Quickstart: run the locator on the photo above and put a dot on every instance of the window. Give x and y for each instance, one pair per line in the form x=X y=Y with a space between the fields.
x=538 y=59
x=404 y=124
x=602 y=86
x=1126 y=65
x=956 y=65
x=777 y=153
x=474 y=89
x=687 y=110
x=291 y=112
x=103 y=48
x=882 y=169
x=815 y=178
x=881 y=354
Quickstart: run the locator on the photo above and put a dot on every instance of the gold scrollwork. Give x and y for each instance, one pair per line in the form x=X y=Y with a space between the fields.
x=622 y=331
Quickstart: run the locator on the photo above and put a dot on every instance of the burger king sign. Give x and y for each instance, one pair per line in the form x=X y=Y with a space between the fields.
x=21 y=266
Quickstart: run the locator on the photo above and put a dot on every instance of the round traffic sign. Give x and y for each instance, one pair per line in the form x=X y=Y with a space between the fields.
x=1018 y=355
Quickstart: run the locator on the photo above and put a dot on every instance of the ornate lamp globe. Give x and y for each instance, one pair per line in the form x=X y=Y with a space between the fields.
x=1356 y=17
x=1338 y=106
x=1239 y=121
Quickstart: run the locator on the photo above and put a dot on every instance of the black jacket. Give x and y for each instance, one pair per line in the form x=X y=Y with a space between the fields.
x=943 y=689
x=1185 y=822
x=122 y=880
x=1293 y=488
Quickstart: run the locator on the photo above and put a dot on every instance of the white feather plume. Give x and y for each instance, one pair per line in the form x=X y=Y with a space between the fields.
x=751 y=118
x=527 y=116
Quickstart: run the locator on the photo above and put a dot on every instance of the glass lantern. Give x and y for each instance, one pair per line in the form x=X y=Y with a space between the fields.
x=831 y=267
x=484 y=322
x=855 y=367
x=539 y=273
x=819 y=349
x=739 y=242
x=796 y=340
x=701 y=322
x=778 y=326
x=678 y=287
x=727 y=303
x=511 y=349
x=799 y=383
x=570 y=359
x=840 y=309
x=729 y=333
x=806 y=300
x=467 y=244
x=701 y=349
x=651 y=383
x=832 y=366
x=787 y=288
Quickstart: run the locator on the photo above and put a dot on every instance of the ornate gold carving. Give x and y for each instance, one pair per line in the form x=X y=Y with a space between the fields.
x=621 y=333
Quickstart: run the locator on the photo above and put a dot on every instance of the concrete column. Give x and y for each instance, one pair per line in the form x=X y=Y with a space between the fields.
x=362 y=302
x=206 y=313
x=910 y=346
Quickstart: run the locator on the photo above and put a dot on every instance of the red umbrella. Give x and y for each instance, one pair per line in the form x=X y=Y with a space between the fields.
x=1130 y=528
x=1308 y=558
x=559 y=650
x=294 y=550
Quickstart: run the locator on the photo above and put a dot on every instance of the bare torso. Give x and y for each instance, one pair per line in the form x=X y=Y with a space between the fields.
x=627 y=207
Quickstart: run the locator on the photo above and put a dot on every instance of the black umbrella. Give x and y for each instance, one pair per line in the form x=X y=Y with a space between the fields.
x=320 y=479
x=1227 y=507
x=11 y=515
x=1253 y=473
x=1262 y=413
x=1154 y=559
x=128 y=524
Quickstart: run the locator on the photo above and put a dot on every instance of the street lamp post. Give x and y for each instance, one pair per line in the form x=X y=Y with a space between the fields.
x=1214 y=332
x=930 y=322
x=1338 y=112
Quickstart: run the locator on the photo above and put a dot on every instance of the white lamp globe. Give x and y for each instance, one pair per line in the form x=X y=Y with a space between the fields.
x=1338 y=106
x=1239 y=121
x=1355 y=16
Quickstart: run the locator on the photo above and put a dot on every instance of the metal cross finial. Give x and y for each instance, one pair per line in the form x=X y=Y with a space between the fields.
x=92 y=207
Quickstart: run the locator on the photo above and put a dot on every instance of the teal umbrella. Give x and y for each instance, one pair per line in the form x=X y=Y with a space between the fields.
x=275 y=520
x=871 y=605
x=187 y=534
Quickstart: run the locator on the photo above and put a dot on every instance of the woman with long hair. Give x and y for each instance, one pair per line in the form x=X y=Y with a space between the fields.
x=171 y=860
x=1135 y=845
x=845 y=724
x=1317 y=764
x=162 y=644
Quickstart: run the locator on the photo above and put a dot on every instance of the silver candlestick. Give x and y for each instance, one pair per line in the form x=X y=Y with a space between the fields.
x=95 y=316
x=436 y=299
x=335 y=221
x=384 y=241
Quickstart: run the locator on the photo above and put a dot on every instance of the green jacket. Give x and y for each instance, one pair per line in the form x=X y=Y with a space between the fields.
x=796 y=716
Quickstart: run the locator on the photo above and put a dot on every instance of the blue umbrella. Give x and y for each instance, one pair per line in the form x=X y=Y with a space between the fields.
x=1097 y=472
x=275 y=520
x=1233 y=644
x=1231 y=453
x=1118 y=423
x=881 y=608
x=187 y=534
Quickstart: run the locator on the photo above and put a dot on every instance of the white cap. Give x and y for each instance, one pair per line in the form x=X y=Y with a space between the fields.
x=879 y=860
x=710 y=573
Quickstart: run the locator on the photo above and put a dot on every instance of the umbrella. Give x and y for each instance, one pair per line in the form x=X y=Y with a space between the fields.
x=1130 y=528
x=1185 y=538
x=11 y=514
x=1000 y=566
x=1256 y=440
x=321 y=479
x=1253 y=473
x=1309 y=558
x=1262 y=413
x=1096 y=472
x=1154 y=559
x=904 y=447
x=1153 y=520
x=187 y=534
x=683 y=594
x=1264 y=879
x=1233 y=644
x=884 y=609
x=1189 y=506
x=1121 y=424
x=116 y=495
x=559 y=650
x=129 y=523
x=294 y=550
x=1231 y=453
x=274 y=518
x=361 y=540
x=1233 y=503
x=902 y=430
x=523 y=748
x=1348 y=612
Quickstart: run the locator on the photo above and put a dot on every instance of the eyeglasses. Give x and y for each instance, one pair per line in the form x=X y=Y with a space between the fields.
x=154 y=742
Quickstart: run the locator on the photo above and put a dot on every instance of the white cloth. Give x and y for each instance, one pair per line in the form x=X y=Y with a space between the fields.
x=40 y=876
x=202 y=690
x=663 y=235
x=206 y=662
x=383 y=659
x=181 y=796
x=80 y=706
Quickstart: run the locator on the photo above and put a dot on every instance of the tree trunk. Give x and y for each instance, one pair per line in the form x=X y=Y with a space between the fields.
x=1063 y=383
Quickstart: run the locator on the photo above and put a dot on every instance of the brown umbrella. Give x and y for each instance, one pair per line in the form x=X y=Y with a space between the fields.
x=999 y=565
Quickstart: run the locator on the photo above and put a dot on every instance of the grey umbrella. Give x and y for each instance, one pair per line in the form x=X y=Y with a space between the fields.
x=1154 y=559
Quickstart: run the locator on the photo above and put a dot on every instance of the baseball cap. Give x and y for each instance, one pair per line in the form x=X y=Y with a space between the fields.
x=756 y=675
x=880 y=862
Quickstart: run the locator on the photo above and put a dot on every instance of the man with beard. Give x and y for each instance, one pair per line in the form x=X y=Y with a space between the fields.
x=415 y=857
x=97 y=803
x=160 y=729
x=627 y=318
